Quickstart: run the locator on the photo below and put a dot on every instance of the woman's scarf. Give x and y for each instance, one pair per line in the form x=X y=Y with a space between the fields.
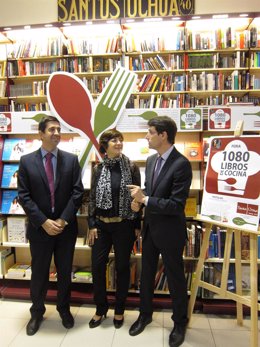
x=104 y=189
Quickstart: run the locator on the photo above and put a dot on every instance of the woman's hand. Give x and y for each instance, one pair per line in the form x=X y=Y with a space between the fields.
x=92 y=235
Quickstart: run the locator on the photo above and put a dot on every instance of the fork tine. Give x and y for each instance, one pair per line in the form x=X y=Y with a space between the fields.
x=112 y=85
x=117 y=85
x=107 y=89
x=121 y=95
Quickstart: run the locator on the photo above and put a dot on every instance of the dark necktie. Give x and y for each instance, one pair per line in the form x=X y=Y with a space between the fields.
x=50 y=175
x=157 y=169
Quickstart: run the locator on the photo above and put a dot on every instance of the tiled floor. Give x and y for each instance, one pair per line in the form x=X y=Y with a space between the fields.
x=205 y=330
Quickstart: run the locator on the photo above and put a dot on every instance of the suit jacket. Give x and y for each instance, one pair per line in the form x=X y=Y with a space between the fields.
x=164 y=214
x=35 y=197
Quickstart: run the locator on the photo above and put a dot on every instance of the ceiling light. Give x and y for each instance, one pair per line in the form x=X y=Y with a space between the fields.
x=195 y=17
x=220 y=16
x=152 y=19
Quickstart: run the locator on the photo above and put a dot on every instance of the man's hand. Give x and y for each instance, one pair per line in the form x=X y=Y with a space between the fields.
x=135 y=206
x=52 y=227
x=92 y=235
x=136 y=193
x=62 y=222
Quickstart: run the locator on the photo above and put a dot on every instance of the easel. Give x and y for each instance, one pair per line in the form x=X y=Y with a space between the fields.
x=240 y=299
x=252 y=300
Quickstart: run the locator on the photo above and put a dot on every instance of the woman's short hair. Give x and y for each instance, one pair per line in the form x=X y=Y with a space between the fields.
x=106 y=137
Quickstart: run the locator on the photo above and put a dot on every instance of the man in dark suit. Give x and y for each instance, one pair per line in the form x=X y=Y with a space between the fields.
x=168 y=177
x=51 y=205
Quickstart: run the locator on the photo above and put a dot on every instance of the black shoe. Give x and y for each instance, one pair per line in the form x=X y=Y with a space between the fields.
x=67 y=319
x=95 y=323
x=33 y=326
x=118 y=323
x=177 y=335
x=139 y=325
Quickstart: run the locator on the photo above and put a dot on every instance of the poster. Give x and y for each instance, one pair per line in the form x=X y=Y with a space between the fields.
x=232 y=182
x=226 y=118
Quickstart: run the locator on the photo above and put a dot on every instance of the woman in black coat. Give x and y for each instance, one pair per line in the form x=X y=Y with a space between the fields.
x=112 y=223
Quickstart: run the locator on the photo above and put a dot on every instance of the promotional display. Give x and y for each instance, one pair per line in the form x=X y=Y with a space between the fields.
x=231 y=189
x=226 y=118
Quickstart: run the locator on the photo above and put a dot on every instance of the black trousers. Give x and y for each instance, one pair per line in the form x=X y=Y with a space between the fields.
x=121 y=236
x=62 y=248
x=172 y=256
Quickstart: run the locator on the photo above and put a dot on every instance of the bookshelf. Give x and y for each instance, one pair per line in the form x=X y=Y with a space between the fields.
x=202 y=62
x=194 y=66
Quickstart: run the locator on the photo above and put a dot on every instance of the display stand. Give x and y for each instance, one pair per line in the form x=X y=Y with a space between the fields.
x=240 y=299
x=252 y=300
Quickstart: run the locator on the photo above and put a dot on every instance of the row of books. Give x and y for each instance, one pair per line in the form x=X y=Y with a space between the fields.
x=188 y=61
x=154 y=83
x=237 y=80
x=126 y=41
x=98 y=64
x=217 y=244
x=44 y=47
x=194 y=240
x=69 y=64
x=255 y=59
x=35 y=88
x=175 y=101
x=211 y=274
x=26 y=107
x=187 y=100
x=203 y=81
x=222 y=38
x=152 y=63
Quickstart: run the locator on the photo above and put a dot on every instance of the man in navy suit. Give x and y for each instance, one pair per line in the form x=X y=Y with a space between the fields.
x=52 y=228
x=164 y=230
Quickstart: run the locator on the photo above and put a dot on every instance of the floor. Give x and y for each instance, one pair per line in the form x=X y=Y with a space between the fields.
x=205 y=330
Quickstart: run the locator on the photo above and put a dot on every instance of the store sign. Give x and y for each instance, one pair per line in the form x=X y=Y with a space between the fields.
x=232 y=182
x=81 y=10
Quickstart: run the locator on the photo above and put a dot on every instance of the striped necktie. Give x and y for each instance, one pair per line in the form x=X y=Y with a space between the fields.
x=157 y=169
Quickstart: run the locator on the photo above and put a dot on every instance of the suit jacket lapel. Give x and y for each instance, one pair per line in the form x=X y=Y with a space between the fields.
x=59 y=168
x=149 y=172
x=164 y=169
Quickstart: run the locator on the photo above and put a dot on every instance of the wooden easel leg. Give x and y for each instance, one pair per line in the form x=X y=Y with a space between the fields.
x=238 y=276
x=195 y=284
x=254 y=294
x=226 y=262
